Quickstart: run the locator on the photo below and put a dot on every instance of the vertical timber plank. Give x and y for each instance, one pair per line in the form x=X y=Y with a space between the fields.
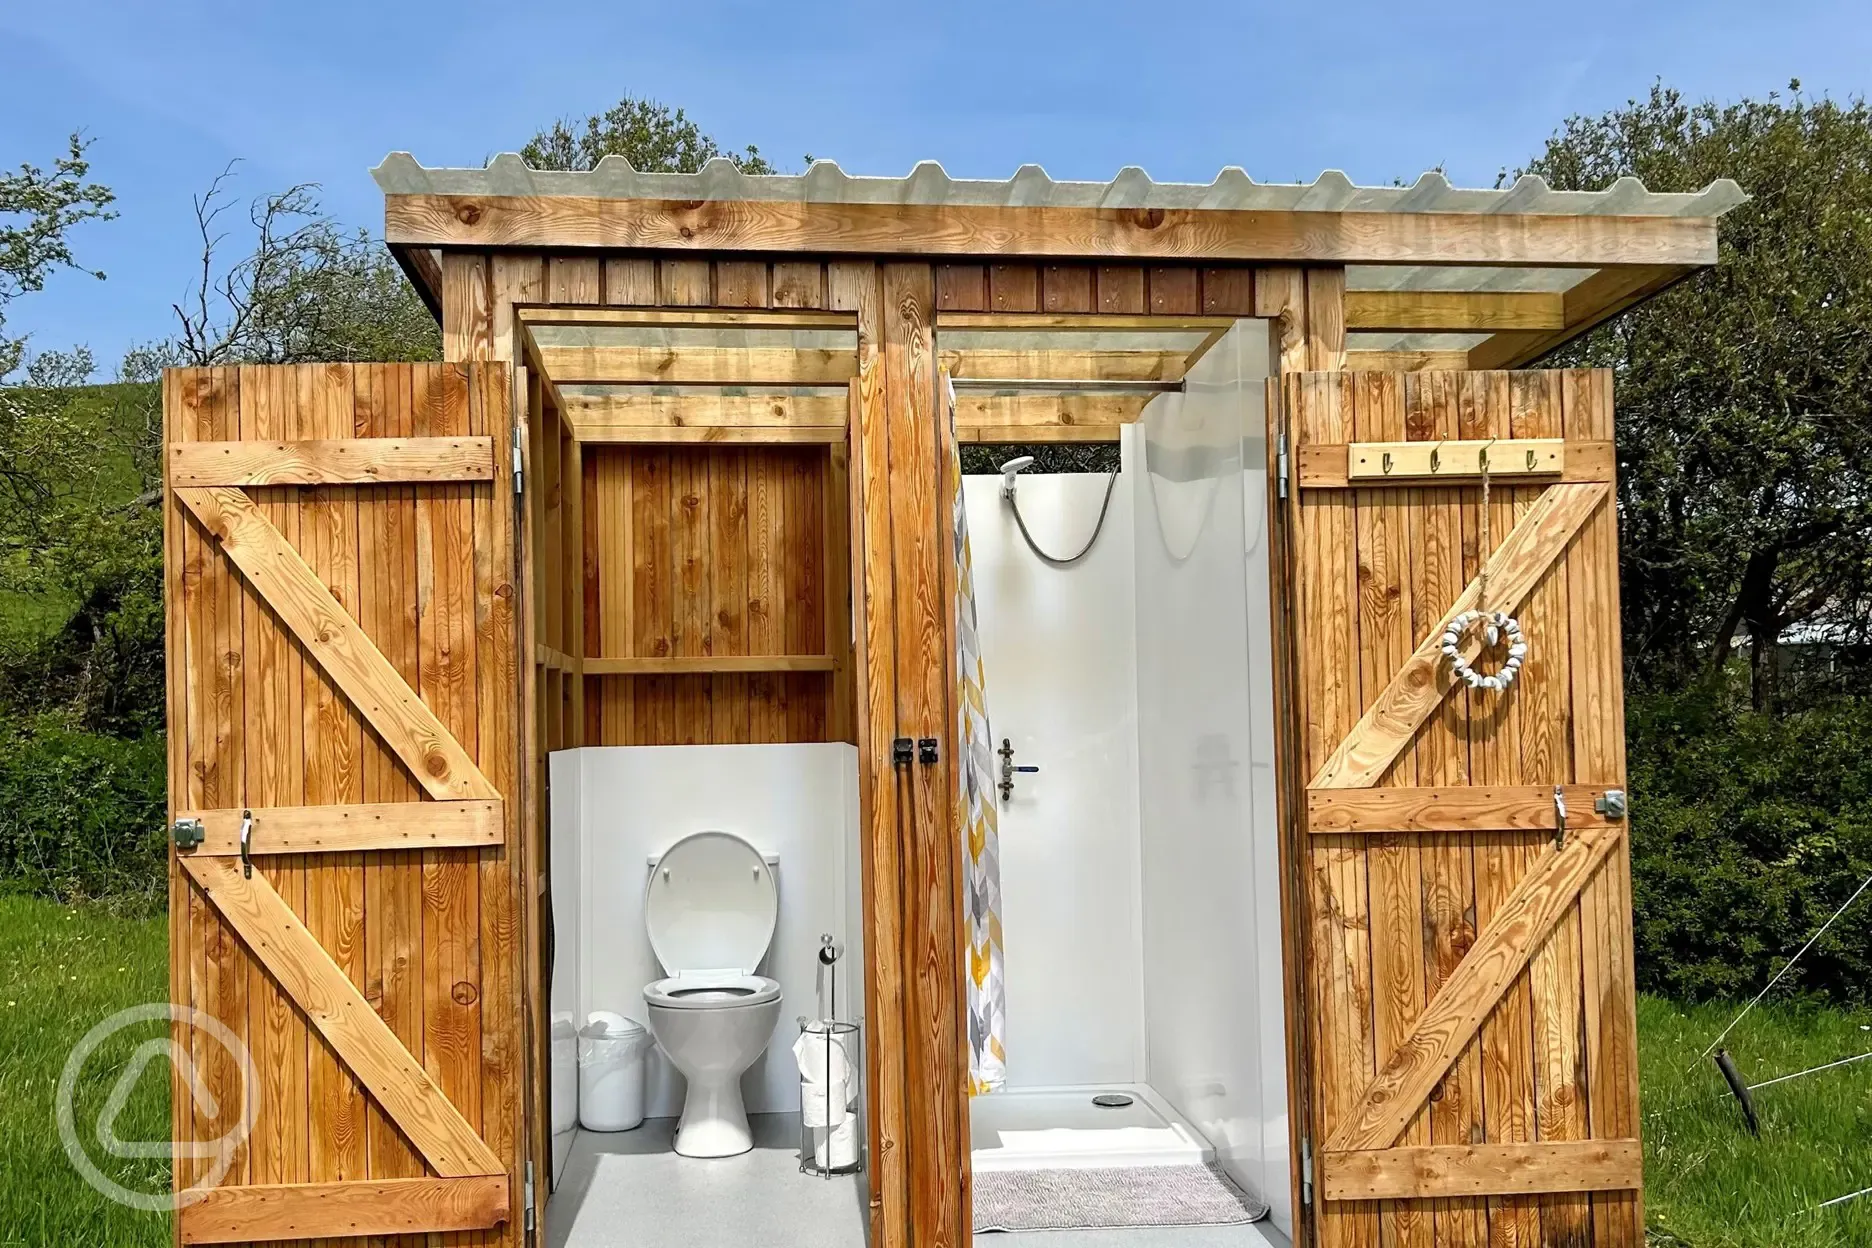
x=1325 y=318
x=920 y=566
x=1441 y=757
x=393 y=880
x=509 y=925
x=1385 y=599
x=1536 y=411
x=727 y=597
x=446 y=681
x=855 y=286
x=333 y=775
x=1121 y=290
x=1501 y=858
x=1336 y=875
x=1598 y=738
x=630 y=281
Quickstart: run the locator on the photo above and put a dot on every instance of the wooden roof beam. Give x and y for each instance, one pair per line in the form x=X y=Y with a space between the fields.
x=423 y=267
x=1404 y=361
x=1434 y=238
x=1453 y=311
x=1598 y=298
x=702 y=366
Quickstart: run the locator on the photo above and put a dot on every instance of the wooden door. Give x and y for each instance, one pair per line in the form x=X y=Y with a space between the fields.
x=341 y=644
x=1467 y=997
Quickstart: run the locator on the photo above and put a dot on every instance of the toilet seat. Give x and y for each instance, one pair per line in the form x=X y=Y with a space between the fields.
x=710 y=906
x=704 y=990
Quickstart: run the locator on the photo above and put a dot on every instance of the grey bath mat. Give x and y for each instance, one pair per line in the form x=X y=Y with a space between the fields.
x=1061 y=1200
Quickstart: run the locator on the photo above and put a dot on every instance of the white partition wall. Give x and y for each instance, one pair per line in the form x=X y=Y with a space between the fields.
x=622 y=805
x=1214 y=1028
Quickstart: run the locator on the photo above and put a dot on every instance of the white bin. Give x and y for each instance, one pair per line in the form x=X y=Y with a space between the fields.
x=611 y=1072
x=565 y=1068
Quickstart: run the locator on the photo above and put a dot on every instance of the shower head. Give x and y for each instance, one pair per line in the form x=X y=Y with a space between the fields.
x=1010 y=470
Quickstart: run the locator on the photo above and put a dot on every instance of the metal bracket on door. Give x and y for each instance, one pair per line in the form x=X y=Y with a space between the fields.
x=188 y=833
x=902 y=751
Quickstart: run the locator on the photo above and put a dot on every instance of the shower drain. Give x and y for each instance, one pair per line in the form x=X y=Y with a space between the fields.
x=1111 y=1100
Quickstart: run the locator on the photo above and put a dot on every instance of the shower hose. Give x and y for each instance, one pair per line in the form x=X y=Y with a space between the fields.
x=1111 y=483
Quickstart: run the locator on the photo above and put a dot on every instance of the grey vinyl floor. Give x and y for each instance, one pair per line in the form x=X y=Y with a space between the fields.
x=629 y=1189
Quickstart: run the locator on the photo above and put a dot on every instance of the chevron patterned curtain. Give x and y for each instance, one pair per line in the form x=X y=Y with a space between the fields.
x=981 y=844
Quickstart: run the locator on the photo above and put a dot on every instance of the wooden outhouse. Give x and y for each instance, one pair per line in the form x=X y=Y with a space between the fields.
x=393 y=589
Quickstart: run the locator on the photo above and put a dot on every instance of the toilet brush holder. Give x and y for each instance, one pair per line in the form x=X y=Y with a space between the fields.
x=831 y=1076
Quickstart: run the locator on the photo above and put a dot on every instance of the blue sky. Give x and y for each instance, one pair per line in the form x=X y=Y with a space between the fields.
x=319 y=93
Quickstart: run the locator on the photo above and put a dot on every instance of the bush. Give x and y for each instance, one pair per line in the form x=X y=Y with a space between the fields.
x=82 y=815
x=1748 y=830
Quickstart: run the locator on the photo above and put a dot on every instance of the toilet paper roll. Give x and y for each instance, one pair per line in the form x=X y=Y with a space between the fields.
x=824 y=1105
x=822 y=1058
x=837 y=1148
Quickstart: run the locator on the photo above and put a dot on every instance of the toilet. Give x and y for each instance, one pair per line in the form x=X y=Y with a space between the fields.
x=710 y=909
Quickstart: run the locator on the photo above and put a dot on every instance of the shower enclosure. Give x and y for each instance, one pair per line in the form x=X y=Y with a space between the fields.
x=1139 y=863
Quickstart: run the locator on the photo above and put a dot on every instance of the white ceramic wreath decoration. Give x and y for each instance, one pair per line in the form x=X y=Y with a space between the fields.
x=1499 y=625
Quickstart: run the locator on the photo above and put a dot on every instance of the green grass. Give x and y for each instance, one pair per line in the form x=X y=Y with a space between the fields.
x=109 y=418
x=63 y=970
x=1708 y=1183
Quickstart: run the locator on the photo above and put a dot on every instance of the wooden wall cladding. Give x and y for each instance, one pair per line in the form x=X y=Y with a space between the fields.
x=428 y=938
x=706 y=551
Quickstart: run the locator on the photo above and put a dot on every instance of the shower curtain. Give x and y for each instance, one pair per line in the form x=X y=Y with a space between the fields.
x=981 y=844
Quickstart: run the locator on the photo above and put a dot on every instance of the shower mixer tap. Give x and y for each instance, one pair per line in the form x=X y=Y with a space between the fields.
x=1008 y=769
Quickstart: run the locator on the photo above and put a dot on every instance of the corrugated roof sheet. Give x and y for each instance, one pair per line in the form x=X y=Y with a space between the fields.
x=928 y=183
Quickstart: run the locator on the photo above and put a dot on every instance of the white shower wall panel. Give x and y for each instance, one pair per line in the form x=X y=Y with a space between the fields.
x=1059 y=650
x=1211 y=948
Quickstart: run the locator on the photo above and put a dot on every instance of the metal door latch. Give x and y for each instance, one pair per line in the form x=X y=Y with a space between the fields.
x=1559 y=814
x=246 y=838
x=188 y=833
x=901 y=751
x=1611 y=803
x=926 y=749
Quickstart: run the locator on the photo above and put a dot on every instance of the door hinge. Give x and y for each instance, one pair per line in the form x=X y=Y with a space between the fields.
x=1280 y=465
x=1306 y=1170
x=529 y=1221
x=519 y=463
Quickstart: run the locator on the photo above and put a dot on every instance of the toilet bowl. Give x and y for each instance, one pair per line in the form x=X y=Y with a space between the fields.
x=710 y=909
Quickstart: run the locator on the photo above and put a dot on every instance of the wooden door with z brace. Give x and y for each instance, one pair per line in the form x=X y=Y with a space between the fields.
x=1468 y=977
x=339 y=590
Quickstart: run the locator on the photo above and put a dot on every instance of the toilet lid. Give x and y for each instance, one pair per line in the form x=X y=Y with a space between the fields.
x=711 y=905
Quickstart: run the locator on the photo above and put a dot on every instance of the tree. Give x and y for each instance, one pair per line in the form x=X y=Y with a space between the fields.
x=651 y=136
x=307 y=291
x=38 y=209
x=1745 y=395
